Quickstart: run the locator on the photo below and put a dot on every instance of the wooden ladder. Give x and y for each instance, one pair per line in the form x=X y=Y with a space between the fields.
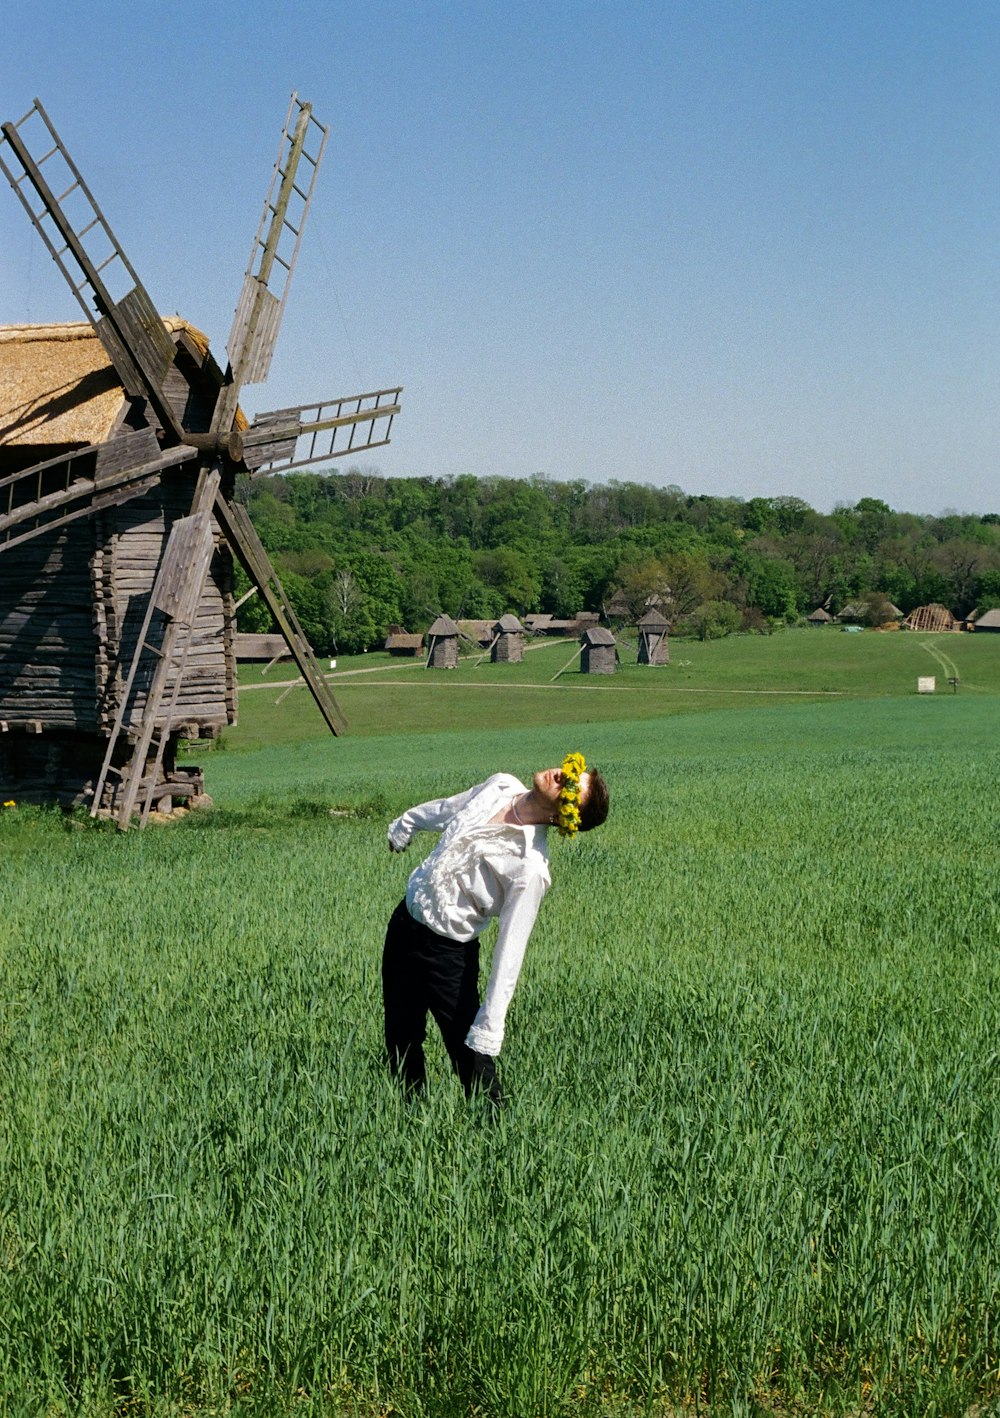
x=176 y=594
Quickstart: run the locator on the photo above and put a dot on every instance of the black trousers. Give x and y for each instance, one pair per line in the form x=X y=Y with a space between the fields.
x=424 y=972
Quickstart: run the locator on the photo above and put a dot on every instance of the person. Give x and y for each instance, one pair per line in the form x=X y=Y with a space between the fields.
x=491 y=861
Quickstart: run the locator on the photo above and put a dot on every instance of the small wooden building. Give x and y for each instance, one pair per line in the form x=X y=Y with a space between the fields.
x=442 y=644
x=599 y=655
x=989 y=620
x=654 y=647
x=508 y=641
x=399 y=642
x=820 y=616
x=476 y=632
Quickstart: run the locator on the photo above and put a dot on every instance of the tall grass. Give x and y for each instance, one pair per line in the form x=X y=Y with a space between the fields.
x=751 y=1155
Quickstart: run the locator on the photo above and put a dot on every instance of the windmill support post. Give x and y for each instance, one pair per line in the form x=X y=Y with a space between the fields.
x=487 y=651
x=575 y=655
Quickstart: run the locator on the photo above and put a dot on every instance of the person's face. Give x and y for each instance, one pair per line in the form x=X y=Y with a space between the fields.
x=548 y=781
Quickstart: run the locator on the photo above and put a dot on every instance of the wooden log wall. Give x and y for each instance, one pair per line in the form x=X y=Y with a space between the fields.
x=48 y=635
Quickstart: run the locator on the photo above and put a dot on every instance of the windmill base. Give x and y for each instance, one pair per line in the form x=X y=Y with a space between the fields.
x=42 y=765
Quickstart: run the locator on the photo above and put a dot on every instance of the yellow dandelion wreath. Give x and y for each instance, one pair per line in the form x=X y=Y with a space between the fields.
x=573 y=768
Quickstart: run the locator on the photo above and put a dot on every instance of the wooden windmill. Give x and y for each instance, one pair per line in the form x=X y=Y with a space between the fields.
x=139 y=524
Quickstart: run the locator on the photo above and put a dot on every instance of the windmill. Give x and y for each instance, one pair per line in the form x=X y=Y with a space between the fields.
x=142 y=519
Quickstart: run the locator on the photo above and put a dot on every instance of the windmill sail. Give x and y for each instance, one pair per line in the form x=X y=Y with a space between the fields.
x=273 y=256
x=314 y=433
x=64 y=213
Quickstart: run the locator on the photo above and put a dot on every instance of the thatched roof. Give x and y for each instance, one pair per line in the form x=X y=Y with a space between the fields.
x=597 y=635
x=58 y=387
x=989 y=620
x=508 y=625
x=444 y=625
x=402 y=640
x=653 y=620
x=481 y=631
x=820 y=616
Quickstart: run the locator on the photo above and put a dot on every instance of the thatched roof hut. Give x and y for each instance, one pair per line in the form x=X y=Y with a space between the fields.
x=599 y=654
x=654 y=646
x=476 y=632
x=442 y=642
x=399 y=642
x=989 y=620
x=820 y=616
x=508 y=640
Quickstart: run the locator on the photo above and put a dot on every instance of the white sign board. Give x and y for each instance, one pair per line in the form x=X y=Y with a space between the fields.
x=926 y=684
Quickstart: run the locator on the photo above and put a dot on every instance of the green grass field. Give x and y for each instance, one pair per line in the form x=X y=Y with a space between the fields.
x=750 y=1160
x=381 y=695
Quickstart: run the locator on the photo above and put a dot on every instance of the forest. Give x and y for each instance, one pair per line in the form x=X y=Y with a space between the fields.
x=358 y=553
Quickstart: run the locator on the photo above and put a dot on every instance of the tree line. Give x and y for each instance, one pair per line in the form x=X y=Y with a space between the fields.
x=358 y=552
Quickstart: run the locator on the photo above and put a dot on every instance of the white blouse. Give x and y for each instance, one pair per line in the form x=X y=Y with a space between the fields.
x=479 y=869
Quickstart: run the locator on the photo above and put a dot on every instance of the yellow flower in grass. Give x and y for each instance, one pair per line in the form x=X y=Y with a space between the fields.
x=573 y=768
x=10 y=803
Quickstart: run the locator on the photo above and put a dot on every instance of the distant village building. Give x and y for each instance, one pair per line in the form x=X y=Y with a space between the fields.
x=477 y=632
x=599 y=654
x=820 y=617
x=654 y=647
x=989 y=620
x=538 y=623
x=398 y=642
x=442 y=644
x=857 y=611
x=508 y=641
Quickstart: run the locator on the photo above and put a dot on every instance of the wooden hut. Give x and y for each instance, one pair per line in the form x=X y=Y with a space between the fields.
x=508 y=641
x=72 y=601
x=398 y=642
x=442 y=644
x=989 y=620
x=654 y=647
x=599 y=654
x=820 y=616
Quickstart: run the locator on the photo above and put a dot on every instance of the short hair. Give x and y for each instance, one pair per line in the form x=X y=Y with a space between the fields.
x=595 y=809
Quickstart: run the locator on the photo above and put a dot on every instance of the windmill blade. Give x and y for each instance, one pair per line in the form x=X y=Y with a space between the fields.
x=241 y=535
x=63 y=211
x=273 y=256
x=50 y=494
x=315 y=433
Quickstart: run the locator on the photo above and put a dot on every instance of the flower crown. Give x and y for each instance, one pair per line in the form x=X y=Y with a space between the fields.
x=573 y=768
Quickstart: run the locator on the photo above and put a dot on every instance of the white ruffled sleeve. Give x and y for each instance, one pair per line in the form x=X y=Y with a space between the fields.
x=516 y=920
x=432 y=816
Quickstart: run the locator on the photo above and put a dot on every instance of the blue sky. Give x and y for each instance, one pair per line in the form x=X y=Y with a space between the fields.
x=750 y=249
